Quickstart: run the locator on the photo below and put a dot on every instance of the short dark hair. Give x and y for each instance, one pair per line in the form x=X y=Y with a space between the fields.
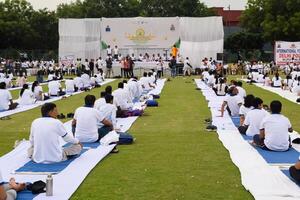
x=275 y=107
x=46 y=108
x=2 y=85
x=124 y=81
x=257 y=101
x=239 y=83
x=109 y=98
x=145 y=74
x=102 y=94
x=108 y=89
x=249 y=99
x=89 y=100
x=121 y=85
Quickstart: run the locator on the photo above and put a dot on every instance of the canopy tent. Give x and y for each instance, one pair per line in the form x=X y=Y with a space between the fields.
x=87 y=38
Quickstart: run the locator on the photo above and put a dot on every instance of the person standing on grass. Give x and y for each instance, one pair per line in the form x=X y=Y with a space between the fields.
x=45 y=134
x=274 y=130
x=172 y=65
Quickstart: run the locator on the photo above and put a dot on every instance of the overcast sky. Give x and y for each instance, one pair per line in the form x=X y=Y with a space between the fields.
x=234 y=4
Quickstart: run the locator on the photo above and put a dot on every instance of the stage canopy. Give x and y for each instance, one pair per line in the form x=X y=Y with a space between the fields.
x=88 y=38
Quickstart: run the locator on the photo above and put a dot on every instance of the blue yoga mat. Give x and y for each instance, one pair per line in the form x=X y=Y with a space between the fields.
x=246 y=137
x=25 y=195
x=287 y=173
x=291 y=156
x=53 y=167
x=236 y=121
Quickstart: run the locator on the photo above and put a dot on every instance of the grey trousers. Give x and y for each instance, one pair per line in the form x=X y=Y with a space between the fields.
x=71 y=150
x=10 y=193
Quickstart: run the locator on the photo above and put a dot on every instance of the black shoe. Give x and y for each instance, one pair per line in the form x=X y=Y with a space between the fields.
x=211 y=128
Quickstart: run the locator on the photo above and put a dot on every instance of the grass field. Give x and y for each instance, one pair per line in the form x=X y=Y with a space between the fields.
x=173 y=157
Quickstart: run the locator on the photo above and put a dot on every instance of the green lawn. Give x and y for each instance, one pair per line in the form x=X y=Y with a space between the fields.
x=173 y=157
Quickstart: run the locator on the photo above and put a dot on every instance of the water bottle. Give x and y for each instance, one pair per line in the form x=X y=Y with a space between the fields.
x=49 y=185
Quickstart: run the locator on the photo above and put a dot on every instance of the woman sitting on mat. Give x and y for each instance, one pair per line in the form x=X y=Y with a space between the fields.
x=26 y=96
x=276 y=81
x=287 y=83
x=6 y=102
x=296 y=86
x=221 y=88
x=246 y=107
x=274 y=130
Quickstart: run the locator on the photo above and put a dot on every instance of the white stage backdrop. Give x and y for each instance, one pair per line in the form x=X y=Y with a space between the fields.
x=286 y=52
x=140 y=32
x=201 y=37
x=79 y=38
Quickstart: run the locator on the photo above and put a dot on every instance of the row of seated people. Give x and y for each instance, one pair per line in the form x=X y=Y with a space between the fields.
x=265 y=124
x=290 y=83
x=91 y=122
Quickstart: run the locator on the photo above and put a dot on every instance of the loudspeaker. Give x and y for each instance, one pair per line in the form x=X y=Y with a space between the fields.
x=219 y=56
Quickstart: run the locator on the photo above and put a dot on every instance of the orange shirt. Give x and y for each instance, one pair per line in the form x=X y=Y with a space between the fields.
x=174 y=51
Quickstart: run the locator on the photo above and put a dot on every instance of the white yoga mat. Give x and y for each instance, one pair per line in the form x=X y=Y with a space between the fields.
x=262 y=180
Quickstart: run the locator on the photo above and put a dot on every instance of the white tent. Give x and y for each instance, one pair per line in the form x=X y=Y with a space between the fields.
x=200 y=37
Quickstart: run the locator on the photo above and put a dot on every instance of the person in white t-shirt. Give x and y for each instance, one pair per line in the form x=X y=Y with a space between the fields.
x=233 y=102
x=108 y=110
x=276 y=80
x=86 y=121
x=26 y=96
x=274 y=130
x=55 y=88
x=296 y=86
x=109 y=51
x=246 y=107
x=241 y=90
x=37 y=91
x=6 y=102
x=287 y=83
x=86 y=80
x=100 y=102
x=267 y=80
x=187 y=68
x=145 y=82
x=45 y=134
x=79 y=82
x=254 y=117
x=116 y=52
x=221 y=88
x=70 y=86
x=121 y=98
x=8 y=191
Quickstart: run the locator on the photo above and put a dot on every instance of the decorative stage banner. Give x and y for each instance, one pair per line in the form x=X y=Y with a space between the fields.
x=131 y=33
x=287 y=52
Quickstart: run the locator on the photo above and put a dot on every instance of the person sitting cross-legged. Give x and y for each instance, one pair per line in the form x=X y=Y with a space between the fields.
x=254 y=117
x=233 y=102
x=295 y=171
x=274 y=130
x=86 y=121
x=44 y=138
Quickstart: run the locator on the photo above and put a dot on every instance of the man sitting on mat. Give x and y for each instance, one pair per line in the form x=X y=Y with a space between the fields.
x=86 y=121
x=44 y=138
x=6 y=102
x=233 y=102
x=8 y=191
x=274 y=130
x=254 y=117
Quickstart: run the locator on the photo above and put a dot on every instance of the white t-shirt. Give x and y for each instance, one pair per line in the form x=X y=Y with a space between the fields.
x=242 y=91
x=5 y=98
x=54 y=87
x=253 y=121
x=276 y=83
x=86 y=80
x=45 y=136
x=276 y=132
x=99 y=103
x=37 y=91
x=108 y=50
x=50 y=77
x=233 y=104
x=87 y=120
x=1 y=179
x=144 y=81
x=27 y=98
x=244 y=110
x=288 y=83
x=78 y=82
x=221 y=89
x=109 y=112
x=70 y=85
x=296 y=89
x=121 y=99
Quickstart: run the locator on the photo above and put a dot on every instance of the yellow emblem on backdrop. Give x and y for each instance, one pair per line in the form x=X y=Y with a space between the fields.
x=140 y=36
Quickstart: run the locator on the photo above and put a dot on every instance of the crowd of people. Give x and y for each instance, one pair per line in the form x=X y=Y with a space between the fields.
x=266 y=125
x=90 y=123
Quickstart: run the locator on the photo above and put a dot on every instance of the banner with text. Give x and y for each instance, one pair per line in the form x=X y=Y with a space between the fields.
x=287 y=52
x=139 y=32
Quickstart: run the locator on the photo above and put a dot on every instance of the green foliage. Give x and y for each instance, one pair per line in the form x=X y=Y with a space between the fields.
x=273 y=19
x=244 y=40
